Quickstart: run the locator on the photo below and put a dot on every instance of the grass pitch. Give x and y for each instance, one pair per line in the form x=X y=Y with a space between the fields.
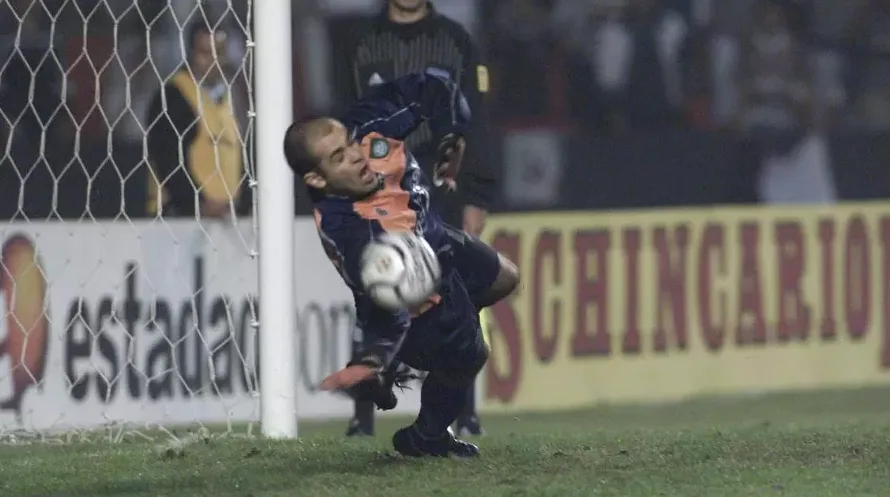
x=807 y=445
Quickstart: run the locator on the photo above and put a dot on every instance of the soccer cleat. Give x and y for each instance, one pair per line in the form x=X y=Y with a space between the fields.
x=356 y=429
x=462 y=449
x=469 y=426
x=410 y=442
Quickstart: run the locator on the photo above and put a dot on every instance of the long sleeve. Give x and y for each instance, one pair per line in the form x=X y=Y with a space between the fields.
x=344 y=241
x=395 y=109
x=171 y=130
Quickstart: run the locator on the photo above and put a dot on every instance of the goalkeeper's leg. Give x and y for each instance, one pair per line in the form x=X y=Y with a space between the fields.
x=442 y=399
x=468 y=422
x=489 y=277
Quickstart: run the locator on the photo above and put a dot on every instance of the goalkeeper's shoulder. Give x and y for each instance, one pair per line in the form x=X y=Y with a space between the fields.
x=343 y=235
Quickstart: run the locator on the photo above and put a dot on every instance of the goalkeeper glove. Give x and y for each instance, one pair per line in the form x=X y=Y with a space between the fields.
x=451 y=153
x=379 y=389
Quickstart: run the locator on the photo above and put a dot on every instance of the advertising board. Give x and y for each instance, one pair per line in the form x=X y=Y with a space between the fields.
x=654 y=306
x=153 y=323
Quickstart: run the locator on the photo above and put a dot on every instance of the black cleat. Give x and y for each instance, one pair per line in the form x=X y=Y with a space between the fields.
x=356 y=429
x=409 y=442
x=462 y=449
x=469 y=426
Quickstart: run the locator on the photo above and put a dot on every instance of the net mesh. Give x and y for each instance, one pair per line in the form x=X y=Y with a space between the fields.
x=128 y=246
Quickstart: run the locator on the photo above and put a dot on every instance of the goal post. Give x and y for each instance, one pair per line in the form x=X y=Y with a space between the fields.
x=275 y=192
x=154 y=281
x=147 y=260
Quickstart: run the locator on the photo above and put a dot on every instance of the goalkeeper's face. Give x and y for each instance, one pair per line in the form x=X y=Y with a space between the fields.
x=342 y=167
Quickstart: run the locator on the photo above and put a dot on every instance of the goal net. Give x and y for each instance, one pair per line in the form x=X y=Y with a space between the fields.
x=128 y=246
x=129 y=234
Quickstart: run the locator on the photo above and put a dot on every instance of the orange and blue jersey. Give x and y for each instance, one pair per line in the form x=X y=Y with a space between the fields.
x=381 y=122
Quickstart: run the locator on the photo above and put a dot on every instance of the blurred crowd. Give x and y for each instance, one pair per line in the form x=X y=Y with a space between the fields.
x=78 y=79
x=609 y=64
x=632 y=65
x=128 y=47
x=780 y=73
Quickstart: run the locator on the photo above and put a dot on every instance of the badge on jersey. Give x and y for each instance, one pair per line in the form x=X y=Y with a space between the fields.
x=482 y=78
x=375 y=80
x=379 y=148
x=438 y=72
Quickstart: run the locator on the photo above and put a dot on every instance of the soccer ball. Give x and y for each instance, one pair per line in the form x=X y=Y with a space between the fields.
x=400 y=271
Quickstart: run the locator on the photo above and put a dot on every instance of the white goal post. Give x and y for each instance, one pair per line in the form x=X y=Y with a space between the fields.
x=122 y=313
x=131 y=306
x=274 y=108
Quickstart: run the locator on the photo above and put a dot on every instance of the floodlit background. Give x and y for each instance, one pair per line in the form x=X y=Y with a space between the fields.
x=694 y=191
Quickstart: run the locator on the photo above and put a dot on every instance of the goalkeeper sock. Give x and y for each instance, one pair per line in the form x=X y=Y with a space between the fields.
x=364 y=414
x=470 y=406
x=440 y=405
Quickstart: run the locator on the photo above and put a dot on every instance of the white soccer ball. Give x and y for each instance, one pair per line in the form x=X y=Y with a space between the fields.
x=400 y=271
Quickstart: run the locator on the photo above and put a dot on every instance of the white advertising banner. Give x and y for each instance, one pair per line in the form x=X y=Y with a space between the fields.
x=150 y=322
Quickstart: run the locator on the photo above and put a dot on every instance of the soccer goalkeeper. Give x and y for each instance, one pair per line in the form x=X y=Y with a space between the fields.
x=408 y=36
x=363 y=180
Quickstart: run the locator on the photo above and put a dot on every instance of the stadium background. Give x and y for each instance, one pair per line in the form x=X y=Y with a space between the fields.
x=731 y=291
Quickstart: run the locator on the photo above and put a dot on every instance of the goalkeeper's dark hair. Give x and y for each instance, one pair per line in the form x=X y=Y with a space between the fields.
x=296 y=145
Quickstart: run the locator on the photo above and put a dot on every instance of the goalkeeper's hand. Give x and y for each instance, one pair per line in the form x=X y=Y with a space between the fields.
x=451 y=154
x=377 y=387
x=350 y=376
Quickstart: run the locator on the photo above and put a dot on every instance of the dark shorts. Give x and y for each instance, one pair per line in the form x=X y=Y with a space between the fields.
x=476 y=262
x=447 y=337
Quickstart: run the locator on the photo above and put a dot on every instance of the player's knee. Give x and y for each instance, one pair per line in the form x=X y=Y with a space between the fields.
x=504 y=284
x=482 y=353
x=462 y=369
x=508 y=275
x=507 y=280
x=477 y=359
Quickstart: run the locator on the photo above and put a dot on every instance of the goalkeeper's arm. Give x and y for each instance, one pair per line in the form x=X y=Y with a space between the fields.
x=396 y=108
x=384 y=330
x=383 y=333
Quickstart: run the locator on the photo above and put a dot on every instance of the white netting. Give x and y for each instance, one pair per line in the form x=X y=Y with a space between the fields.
x=114 y=308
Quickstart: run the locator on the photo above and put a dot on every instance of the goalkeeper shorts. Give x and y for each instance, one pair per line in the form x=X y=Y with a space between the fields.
x=476 y=262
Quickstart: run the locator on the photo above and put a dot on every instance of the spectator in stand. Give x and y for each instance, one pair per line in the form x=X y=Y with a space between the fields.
x=729 y=24
x=523 y=50
x=830 y=24
x=576 y=24
x=32 y=108
x=774 y=88
x=871 y=64
x=21 y=66
x=698 y=81
x=777 y=111
x=637 y=63
x=193 y=141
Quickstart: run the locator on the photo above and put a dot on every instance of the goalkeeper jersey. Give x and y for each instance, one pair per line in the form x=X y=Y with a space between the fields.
x=380 y=122
x=384 y=50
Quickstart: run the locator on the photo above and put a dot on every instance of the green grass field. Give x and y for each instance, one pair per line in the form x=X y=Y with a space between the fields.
x=807 y=445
